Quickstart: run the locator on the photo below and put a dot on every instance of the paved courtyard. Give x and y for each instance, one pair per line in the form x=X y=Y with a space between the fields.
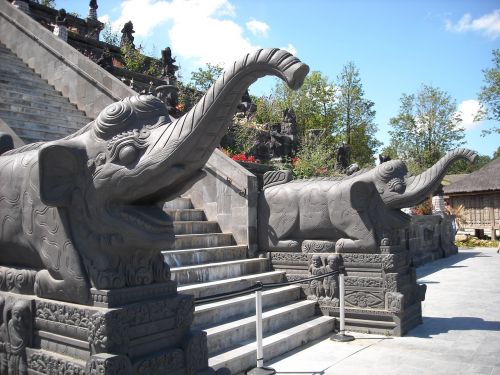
x=460 y=333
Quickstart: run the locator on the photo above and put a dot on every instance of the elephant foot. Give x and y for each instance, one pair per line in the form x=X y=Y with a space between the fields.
x=62 y=290
x=286 y=245
x=346 y=245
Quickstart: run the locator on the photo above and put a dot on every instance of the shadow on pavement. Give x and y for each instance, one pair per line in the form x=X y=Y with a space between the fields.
x=449 y=262
x=434 y=325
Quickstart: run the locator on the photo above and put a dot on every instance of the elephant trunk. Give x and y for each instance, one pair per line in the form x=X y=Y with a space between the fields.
x=420 y=187
x=190 y=140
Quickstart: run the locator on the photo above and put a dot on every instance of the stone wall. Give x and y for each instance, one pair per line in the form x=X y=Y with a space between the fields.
x=228 y=194
x=83 y=82
x=431 y=237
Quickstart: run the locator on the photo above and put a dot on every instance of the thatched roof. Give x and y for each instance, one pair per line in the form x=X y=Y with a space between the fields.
x=485 y=179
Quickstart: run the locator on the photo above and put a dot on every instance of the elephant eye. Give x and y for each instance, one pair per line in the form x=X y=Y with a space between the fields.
x=127 y=154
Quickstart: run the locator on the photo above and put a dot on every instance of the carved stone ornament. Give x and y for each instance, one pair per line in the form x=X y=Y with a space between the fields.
x=108 y=364
x=354 y=211
x=394 y=302
x=81 y=211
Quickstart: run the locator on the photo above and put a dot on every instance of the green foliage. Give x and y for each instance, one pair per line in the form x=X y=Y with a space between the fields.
x=245 y=135
x=312 y=103
x=267 y=110
x=109 y=36
x=316 y=157
x=471 y=242
x=75 y=14
x=489 y=96
x=355 y=116
x=202 y=79
x=496 y=154
x=134 y=60
x=137 y=62
x=462 y=166
x=425 y=128
x=47 y=3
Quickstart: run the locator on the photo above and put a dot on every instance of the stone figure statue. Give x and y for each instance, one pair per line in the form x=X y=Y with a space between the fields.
x=106 y=59
x=4 y=339
x=353 y=211
x=127 y=37
x=330 y=283
x=246 y=106
x=383 y=158
x=82 y=211
x=317 y=269
x=168 y=94
x=60 y=29
x=341 y=161
x=168 y=66
x=18 y=330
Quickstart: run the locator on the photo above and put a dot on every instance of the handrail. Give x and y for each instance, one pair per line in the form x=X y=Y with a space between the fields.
x=242 y=190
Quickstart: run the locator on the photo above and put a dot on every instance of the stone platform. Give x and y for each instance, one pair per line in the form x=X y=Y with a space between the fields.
x=381 y=292
x=137 y=330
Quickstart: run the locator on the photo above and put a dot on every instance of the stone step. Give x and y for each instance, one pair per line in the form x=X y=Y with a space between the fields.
x=21 y=105
x=209 y=314
x=29 y=128
x=231 y=285
x=10 y=59
x=32 y=85
x=179 y=258
x=42 y=115
x=196 y=227
x=191 y=214
x=13 y=76
x=52 y=97
x=227 y=336
x=244 y=357
x=192 y=241
x=178 y=203
x=218 y=271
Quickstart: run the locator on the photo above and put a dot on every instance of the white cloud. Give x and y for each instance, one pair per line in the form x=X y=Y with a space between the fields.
x=257 y=27
x=468 y=111
x=199 y=30
x=290 y=48
x=488 y=24
x=104 y=18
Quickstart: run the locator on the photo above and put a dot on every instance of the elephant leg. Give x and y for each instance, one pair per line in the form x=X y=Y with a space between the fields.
x=284 y=245
x=360 y=236
x=66 y=289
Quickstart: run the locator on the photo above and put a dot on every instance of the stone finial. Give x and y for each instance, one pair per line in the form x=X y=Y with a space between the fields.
x=93 y=10
x=127 y=37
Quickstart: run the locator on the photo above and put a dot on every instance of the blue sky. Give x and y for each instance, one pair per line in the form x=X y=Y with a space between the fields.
x=397 y=45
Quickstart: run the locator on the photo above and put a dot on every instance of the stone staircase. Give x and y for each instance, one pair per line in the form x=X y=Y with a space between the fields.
x=206 y=262
x=31 y=106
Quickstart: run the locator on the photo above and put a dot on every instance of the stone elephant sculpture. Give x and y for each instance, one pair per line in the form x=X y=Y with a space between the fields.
x=81 y=211
x=353 y=211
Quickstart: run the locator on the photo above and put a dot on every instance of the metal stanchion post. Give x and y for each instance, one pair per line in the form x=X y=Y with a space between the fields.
x=341 y=336
x=260 y=369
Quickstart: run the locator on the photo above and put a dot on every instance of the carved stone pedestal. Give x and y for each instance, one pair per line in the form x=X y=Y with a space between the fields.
x=381 y=292
x=136 y=330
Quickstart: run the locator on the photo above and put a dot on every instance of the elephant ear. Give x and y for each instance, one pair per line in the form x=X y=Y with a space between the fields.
x=361 y=193
x=58 y=167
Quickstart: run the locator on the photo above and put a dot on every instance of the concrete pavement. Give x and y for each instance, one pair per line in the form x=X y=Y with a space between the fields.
x=460 y=333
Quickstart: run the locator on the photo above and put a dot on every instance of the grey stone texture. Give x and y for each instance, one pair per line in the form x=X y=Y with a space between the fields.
x=308 y=224
x=86 y=84
x=228 y=195
x=31 y=107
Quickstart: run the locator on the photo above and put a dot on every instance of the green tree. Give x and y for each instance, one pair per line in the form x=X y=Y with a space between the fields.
x=313 y=103
x=355 y=116
x=462 y=166
x=203 y=78
x=489 y=97
x=47 y=3
x=426 y=126
x=109 y=36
